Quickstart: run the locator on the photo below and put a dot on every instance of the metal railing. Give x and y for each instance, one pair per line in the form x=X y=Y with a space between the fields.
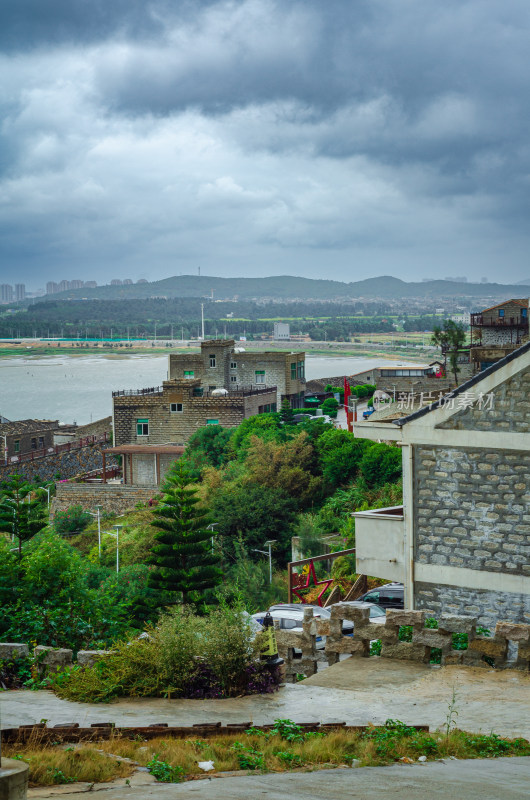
x=56 y=449
x=480 y=321
x=134 y=392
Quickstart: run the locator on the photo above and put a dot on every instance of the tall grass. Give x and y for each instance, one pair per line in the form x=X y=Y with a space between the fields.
x=269 y=751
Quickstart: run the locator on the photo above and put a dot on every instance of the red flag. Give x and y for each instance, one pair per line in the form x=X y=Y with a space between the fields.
x=347 y=394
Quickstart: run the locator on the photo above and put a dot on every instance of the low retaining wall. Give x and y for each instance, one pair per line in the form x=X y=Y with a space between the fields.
x=509 y=647
x=113 y=498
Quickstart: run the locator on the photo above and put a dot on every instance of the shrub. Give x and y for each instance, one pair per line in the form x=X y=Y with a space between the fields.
x=71 y=519
x=186 y=655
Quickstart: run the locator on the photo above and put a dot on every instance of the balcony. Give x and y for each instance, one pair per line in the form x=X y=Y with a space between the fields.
x=486 y=321
x=380 y=543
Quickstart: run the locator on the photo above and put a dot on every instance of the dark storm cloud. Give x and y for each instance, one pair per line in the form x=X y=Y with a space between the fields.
x=282 y=134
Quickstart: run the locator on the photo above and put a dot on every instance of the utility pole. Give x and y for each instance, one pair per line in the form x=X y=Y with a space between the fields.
x=202 y=319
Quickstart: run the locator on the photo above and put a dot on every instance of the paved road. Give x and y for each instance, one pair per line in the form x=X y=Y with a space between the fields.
x=494 y=779
x=356 y=691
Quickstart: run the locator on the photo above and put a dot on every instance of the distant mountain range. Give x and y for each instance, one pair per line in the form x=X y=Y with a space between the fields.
x=287 y=287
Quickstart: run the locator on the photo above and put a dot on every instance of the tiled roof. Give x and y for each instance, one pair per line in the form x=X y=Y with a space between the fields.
x=522 y=301
x=28 y=426
x=525 y=348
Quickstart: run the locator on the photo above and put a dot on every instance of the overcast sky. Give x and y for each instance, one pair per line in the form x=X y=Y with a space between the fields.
x=326 y=138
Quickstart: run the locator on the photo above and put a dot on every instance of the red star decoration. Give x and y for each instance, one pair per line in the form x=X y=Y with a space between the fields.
x=311 y=574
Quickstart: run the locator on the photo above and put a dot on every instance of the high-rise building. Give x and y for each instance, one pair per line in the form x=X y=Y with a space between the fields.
x=6 y=293
x=90 y=284
x=63 y=286
x=51 y=287
x=116 y=282
x=127 y=281
x=20 y=291
x=76 y=284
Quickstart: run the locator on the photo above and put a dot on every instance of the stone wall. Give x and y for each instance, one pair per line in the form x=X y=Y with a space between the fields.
x=67 y=464
x=113 y=498
x=472 y=509
x=510 y=411
x=486 y=606
x=508 y=647
x=166 y=426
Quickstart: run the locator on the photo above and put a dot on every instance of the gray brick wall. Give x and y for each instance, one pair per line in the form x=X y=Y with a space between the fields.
x=510 y=412
x=67 y=464
x=166 y=426
x=112 y=498
x=487 y=606
x=472 y=509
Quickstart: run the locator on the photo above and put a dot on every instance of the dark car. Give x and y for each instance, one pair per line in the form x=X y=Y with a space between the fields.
x=391 y=595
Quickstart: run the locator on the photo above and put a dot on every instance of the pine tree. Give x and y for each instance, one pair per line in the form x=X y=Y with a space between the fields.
x=184 y=567
x=20 y=516
x=286 y=412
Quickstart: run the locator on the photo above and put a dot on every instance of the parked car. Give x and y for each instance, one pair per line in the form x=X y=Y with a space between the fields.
x=318 y=611
x=324 y=417
x=391 y=595
x=289 y=621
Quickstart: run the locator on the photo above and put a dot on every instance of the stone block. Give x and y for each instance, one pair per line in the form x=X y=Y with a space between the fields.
x=399 y=618
x=373 y=631
x=452 y=658
x=488 y=647
x=12 y=650
x=432 y=638
x=87 y=658
x=50 y=659
x=454 y=623
x=321 y=627
x=347 y=644
x=351 y=613
x=406 y=651
x=513 y=631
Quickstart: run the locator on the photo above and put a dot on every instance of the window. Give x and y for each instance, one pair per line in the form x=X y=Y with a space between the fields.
x=211 y=388
x=301 y=370
x=41 y=442
x=524 y=313
x=176 y=407
x=233 y=378
x=33 y=444
x=501 y=312
x=266 y=409
x=289 y=624
x=17 y=446
x=189 y=373
x=212 y=359
x=233 y=365
x=260 y=376
x=212 y=422
x=293 y=371
x=142 y=427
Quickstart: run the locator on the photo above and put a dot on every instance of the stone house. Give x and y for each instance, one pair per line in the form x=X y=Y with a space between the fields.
x=26 y=436
x=170 y=414
x=461 y=541
x=497 y=331
x=221 y=364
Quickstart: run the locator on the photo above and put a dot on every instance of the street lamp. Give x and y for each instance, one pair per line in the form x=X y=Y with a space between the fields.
x=98 y=515
x=211 y=527
x=268 y=552
x=117 y=536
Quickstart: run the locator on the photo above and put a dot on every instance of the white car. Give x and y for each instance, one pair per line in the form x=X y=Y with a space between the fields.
x=289 y=621
x=377 y=614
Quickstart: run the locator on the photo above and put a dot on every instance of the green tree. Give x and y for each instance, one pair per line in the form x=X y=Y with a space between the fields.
x=330 y=407
x=286 y=412
x=340 y=454
x=20 y=514
x=184 y=566
x=450 y=337
x=252 y=514
x=208 y=446
x=380 y=464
